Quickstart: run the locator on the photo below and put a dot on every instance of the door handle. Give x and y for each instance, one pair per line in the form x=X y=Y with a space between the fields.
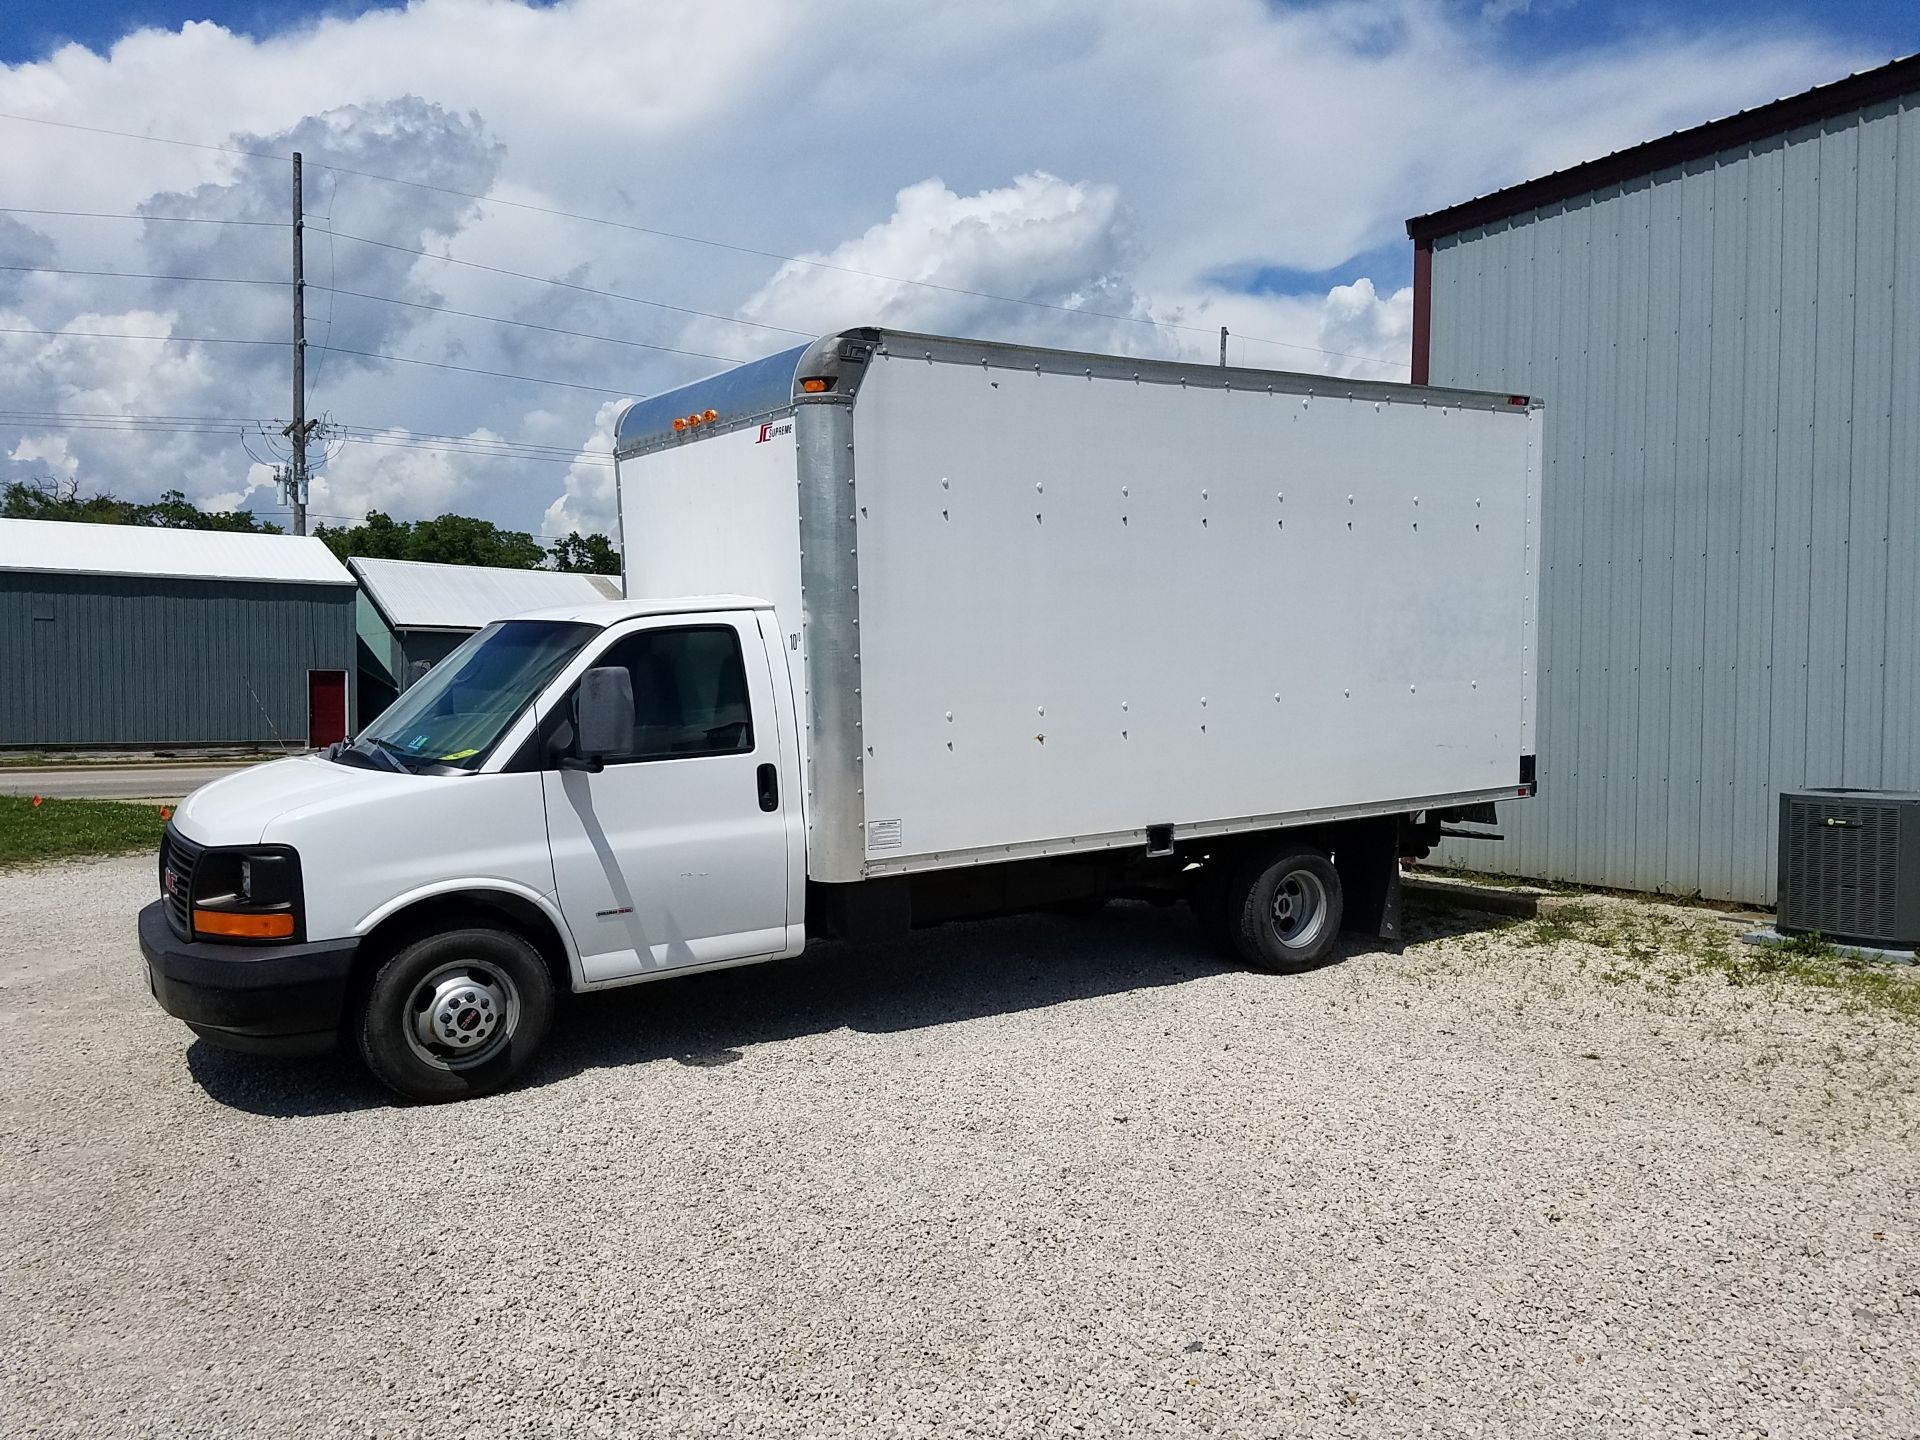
x=769 y=788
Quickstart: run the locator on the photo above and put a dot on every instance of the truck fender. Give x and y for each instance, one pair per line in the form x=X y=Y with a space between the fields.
x=542 y=902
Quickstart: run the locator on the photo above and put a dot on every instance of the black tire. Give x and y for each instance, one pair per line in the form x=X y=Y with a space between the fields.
x=491 y=990
x=1207 y=898
x=1284 y=909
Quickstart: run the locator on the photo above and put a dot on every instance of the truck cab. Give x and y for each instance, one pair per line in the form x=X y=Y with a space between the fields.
x=575 y=799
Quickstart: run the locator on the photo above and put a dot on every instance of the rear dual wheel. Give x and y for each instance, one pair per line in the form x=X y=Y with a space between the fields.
x=1279 y=909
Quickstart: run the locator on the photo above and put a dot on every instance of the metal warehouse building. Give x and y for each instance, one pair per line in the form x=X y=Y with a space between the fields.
x=1725 y=327
x=413 y=613
x=124 y=636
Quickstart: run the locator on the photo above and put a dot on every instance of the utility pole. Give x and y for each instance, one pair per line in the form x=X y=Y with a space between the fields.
x=1223 y=329
x=301 y=429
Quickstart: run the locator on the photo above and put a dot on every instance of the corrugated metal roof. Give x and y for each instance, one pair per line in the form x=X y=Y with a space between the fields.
x=68 y=547
x=1854 y=92
x=415 y=595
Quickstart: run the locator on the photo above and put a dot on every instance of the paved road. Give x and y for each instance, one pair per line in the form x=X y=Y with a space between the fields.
x=111 y=782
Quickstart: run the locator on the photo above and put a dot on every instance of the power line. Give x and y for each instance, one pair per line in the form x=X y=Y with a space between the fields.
x=142 y=275
x=41 y=422
x=337 y=349
x=358 y=434
x=124 y=215
x=588 y=459
x=333 y=193
x=361 y=519
x=1336 y=354
x=467 y=369
x=571 y=285
x=843 y=269
x=113 y=335
x=529 y=325
x=693 y=240
x=489 y=442
x=151 y=139
x=129 y=415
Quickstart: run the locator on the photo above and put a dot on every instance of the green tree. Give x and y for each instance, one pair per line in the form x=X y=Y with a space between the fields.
x=587 y=554
x=62 y=500
x=173 y=511
x=444 y=540
x=378 y=537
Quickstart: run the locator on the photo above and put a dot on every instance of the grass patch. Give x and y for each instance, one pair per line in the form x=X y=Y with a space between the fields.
x=71 y=829
x=1566 y=922
x=1810 y=946
x=1867 y=984
x=1660 y=947
x=1664 y=948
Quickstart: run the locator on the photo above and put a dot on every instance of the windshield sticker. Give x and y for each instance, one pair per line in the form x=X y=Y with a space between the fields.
x=458 y=755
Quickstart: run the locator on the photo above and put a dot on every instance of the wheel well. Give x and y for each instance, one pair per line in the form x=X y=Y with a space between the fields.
x=1230 y=850
x=467 y=907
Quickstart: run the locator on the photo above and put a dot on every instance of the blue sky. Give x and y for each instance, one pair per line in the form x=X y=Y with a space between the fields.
x=1533 y=26
x=36 y=26
x=1048 y=171
x=1549 y=26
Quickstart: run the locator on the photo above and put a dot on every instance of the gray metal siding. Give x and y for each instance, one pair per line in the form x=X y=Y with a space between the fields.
x=145 y=662
x=1730 y=357
x=413 y=646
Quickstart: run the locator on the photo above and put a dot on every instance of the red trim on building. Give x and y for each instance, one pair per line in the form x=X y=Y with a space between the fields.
x=1422 y=309
x=1824 y=102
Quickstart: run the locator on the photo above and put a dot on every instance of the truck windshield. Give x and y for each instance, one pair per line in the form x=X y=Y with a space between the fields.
x=453 y=715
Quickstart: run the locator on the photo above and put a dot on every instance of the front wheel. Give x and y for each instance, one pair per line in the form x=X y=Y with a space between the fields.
x=455 y=1015
x=1284 y=909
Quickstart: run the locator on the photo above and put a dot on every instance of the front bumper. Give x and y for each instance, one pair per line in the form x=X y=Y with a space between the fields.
x=269 y=999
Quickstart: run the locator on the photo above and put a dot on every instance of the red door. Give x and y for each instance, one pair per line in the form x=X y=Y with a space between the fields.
x=326 y=707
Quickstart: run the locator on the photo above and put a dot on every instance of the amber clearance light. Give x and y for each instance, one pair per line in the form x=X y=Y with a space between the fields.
x=817 y=384
x=277 y=926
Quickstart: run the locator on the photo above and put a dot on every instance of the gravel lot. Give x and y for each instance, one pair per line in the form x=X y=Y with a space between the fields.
x=1033 y=1177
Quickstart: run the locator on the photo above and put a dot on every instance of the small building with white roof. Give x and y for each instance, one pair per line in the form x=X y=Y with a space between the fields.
x=413 y=613
x=140 y=638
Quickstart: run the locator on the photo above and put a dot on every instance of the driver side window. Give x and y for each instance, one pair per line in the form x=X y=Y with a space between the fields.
x=689 y=692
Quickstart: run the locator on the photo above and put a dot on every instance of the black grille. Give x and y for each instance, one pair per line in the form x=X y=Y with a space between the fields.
x=1840 y=864
x=177 y=859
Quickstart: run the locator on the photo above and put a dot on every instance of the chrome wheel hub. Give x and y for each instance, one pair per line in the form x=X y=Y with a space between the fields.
x=1299 y=909
x=461 y=1014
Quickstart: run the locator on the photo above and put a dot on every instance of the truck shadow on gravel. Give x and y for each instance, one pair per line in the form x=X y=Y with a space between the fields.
x=934 y=977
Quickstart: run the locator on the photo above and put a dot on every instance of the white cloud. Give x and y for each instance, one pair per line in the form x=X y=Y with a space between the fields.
x=933 y=264
x=587 y=501
x=1118 y=158
x=46 y=453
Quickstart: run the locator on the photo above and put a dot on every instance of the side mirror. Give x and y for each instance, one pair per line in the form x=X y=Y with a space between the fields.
x=603 y=715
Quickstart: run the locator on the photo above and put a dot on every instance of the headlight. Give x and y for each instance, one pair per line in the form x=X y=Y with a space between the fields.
x=249 y=894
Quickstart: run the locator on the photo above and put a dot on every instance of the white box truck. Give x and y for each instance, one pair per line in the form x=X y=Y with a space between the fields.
x=946 y=629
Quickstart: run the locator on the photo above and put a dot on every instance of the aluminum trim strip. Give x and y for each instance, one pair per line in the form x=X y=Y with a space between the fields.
x=830 y=616
x=1120 y=839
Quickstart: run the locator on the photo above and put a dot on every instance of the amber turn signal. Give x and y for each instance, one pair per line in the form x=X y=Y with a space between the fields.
x=276 y=926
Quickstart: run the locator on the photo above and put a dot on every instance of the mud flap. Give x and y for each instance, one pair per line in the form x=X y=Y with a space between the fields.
x=1367 y=855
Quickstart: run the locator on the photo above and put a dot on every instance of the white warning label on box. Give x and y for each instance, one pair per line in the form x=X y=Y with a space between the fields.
x=883 y=835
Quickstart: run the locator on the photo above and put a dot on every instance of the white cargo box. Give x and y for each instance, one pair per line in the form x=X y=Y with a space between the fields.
x=1044 y=602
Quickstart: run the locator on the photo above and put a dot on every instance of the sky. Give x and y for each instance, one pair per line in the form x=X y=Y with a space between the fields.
x=518 y=216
